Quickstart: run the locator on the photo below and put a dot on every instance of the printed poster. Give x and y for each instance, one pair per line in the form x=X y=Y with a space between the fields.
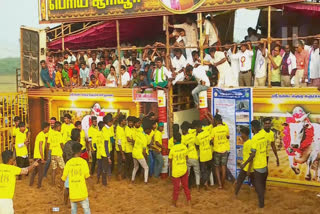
x=235 y=107
x=295 y=123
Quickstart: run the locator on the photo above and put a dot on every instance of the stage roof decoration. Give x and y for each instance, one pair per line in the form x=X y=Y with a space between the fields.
x=57 y=11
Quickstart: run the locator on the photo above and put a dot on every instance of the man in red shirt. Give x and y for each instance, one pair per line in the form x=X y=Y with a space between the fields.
x=72 y=67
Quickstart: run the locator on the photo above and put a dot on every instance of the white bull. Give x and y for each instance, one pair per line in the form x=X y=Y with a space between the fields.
x=311 y=153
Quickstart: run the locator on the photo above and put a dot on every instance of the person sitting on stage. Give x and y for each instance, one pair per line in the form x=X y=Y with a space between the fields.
x=135 y=79
x=75 y=82
x=161 y=75
x=112 y=78
x=200 y=75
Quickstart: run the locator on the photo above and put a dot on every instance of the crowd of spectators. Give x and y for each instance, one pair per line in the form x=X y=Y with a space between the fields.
x=228 y=65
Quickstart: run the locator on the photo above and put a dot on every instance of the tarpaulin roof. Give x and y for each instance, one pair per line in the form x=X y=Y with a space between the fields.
x=105 y=35
x=308 y=9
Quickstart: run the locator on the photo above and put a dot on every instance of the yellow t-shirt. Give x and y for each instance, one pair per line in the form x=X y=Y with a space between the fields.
x=270 y=138
x=203 y=140
x=21 y=148
x=189 y=141
x=55 y=144
x=178 y=155
x=58 y=78
x=128 y=132
x=139 y=145
x=77 y=170
x=220 y=141
x=259 y=143
x=246 y=154
x=149 y=138
x=135 y=132
x=192 y=131
x=66 y=132
x=208 y=129
x=93 y=134
x=83 y=139
x=104 y=135
x=121 y=138
x=8 y=180
x=158 y=138
x=41 y=137
x=170 y=143
x=50 y=135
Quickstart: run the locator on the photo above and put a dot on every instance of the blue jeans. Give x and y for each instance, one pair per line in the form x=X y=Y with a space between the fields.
x=84 y=204
x=151 y=162
x=158 y=163
x=195 y=92
x=48 y=162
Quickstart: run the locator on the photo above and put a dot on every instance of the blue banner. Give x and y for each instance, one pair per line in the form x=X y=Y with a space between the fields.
x=235 y=107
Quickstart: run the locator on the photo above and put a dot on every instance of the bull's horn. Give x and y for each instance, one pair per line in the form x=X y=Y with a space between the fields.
x=303 y=118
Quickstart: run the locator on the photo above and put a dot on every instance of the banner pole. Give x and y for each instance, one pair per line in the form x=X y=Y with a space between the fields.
x=118 y=47
x=62 y=31
x=201 y=36
x=269 y=45
x=166 y=20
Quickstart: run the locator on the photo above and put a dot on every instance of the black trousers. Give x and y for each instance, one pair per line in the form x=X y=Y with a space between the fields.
x=128 y=165
x=206 y=169
x=37 y=170
x=241 y=177
x=260 y=180
x=94 y=160
x=112 y=156
x=103 y=169
x=121 y=165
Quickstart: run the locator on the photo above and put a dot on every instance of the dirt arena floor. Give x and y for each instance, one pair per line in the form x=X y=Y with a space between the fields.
x=155 y=197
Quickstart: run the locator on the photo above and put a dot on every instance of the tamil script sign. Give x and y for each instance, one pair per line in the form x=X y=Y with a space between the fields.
x=89 y=10
x=144 y=95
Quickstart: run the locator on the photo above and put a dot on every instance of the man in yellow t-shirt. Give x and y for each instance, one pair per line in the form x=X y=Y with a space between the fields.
x=93 y=132
x=129 y=146
x=270 y=138
x=39 y=153
x=178 y=157
x=8 y=174
x=103 y=152
x=157 y=149
x=21 y=143
x=108 y=121
x=77 y=171
x=56 y=146
x=248 y=170
x=221 y=147
x=66 y=128
x=259 y=157
x=83 y=141
x=139 y=152
x=121 y=142
x=189 y=140
x=50 y=137
x=203 y=141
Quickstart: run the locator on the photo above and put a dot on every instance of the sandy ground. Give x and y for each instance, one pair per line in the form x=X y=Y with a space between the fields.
x=123 y=197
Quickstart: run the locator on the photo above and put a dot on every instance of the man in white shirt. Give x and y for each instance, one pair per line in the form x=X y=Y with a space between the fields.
x=235 y=69
x=160 y=75
x=244 y=58
x=84 y=74
x=93 y=59
x=191 y=31
x=69 y=57
x=195 y=60
x=314 y=65
x=219 y=61
x=210 y=30
x=125 y=77
x=179 y=62
x=199 y=73
x=260 y=69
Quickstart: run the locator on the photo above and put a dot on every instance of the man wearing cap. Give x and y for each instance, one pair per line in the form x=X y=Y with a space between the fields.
x=245 y=58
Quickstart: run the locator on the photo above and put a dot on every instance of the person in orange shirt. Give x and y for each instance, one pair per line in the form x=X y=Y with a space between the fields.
x=302 y=65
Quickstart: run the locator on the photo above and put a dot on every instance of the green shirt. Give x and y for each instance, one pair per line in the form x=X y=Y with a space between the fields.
x=65 y=76
x=106 y=72
x=275 y=73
